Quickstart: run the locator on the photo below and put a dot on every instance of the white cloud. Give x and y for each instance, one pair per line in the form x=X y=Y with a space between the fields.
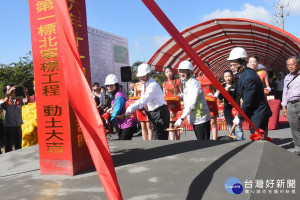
x=160 y=40
x=295 y=8
x=247 y=11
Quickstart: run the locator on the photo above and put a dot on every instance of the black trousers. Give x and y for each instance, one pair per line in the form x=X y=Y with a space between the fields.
x=13 y=136
x=278 y=95
x=202 y=131
x=127 y=133
x=160 y=119
x=0 y=144
x=228 y=115
x=1 y=134
x=260 y=124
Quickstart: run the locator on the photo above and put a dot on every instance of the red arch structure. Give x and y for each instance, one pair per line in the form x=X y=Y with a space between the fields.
x=214 y=39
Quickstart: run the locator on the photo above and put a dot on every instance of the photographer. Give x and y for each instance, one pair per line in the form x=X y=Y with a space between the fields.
x=12 y=104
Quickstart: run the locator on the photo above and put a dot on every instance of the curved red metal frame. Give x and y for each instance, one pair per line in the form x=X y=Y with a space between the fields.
x=214 y=39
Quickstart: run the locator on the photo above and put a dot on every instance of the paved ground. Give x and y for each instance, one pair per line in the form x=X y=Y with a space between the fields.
x=185 y=169
x=282 y=136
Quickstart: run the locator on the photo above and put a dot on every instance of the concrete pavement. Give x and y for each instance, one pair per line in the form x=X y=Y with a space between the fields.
x=185 y=169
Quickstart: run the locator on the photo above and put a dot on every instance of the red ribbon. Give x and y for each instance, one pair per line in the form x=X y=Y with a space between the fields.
x=87 y=114
x=258 y=136
x=177 y=36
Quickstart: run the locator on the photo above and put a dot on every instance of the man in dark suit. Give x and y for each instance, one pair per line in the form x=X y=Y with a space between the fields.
x=250 y=87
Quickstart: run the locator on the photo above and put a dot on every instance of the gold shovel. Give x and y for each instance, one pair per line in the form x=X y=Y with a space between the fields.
x=231 y=131
x=123 y=116
x=174 y=129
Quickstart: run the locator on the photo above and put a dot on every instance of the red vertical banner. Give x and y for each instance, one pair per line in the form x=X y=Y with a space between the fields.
x=77 y=10
x=74 y=89
x=63 y=149
x=61 y=143
x=52 y=101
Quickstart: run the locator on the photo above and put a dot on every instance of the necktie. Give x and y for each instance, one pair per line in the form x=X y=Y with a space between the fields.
x=145 y=108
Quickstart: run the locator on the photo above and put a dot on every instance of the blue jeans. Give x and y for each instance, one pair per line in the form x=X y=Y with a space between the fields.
x=238 y=131
x=229 y=118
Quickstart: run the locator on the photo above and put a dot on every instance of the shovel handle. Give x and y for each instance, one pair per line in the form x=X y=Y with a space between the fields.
x=232 y=129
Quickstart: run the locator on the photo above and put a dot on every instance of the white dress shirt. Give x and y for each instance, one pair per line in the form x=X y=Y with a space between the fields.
x=195 y=105
x=153 y=97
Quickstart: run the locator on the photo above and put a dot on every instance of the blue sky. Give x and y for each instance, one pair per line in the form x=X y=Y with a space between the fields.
x=132 y=20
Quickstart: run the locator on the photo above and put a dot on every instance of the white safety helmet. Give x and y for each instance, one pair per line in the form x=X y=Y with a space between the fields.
x=237 y=53
x=143 y=69
x=111 y=79
x=185 y=65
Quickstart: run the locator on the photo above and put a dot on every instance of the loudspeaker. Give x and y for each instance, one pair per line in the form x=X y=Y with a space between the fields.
x=125 y=74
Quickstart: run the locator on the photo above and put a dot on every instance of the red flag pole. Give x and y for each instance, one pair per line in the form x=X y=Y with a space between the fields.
x=167 y=24
x=83 y=104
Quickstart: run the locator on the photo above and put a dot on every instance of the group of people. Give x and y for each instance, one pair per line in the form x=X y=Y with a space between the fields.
x=160 y=117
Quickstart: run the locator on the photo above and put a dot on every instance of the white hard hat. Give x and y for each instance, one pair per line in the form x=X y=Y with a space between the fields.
x=143 y=69
x=185 y=65
x=237 y=53
x=111 y=79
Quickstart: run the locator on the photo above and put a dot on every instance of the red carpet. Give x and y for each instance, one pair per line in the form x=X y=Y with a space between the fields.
x=283 y=120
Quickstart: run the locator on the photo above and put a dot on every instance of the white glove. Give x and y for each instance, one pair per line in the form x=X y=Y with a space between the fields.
x=236 y=120
x=269 y=89
x=128 y=110
x=216 y=95
x=180 y=96
x=109 y=110
x=178 y=123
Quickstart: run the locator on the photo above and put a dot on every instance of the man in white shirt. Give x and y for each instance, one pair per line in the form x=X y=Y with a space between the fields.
x=152 y=97
x=291 y=99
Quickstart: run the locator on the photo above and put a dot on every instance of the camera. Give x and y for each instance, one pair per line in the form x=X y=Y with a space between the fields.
x=19 y=92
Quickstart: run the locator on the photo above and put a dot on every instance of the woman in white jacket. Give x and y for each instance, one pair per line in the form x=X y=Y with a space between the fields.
x=195 y=106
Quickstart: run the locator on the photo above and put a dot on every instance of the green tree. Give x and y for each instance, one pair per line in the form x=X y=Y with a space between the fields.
x=19 y=74
x=159 y=77
x=134 y=70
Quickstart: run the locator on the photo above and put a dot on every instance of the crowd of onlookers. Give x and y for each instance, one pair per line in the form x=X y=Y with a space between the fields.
x=159 y=111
